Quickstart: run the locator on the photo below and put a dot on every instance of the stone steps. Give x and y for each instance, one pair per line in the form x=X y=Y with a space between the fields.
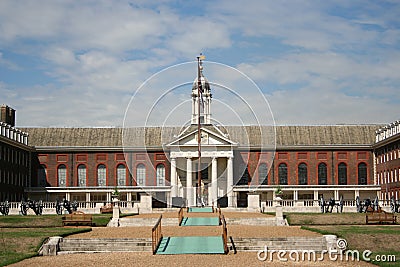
x=126 y=222
x=316 y=244
x=251 y=221
x=86 y=245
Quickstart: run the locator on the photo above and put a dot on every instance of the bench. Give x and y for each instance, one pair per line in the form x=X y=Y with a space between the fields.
x=107 y=209
x=77 y=218
x=380 y=217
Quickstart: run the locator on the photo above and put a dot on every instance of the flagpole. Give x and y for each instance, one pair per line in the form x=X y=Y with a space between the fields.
x=198 y=132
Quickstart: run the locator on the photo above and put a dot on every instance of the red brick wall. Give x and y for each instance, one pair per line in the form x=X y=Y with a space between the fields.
x=110 y=159
x=151 y=159
x=312 y=159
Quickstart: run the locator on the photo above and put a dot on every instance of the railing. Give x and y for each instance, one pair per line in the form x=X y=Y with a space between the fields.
x=12 y=133
x=224 y=234
x=287 y=203
x=156 y=235
x=308 y=203
x=180 y=216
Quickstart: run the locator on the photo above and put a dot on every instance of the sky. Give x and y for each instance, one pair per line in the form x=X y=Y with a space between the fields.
x=80 y=63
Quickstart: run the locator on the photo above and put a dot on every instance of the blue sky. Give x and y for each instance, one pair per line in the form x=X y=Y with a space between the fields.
x=77 y=63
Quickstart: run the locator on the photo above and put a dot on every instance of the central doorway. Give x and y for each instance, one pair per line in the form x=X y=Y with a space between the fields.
x=202 y=199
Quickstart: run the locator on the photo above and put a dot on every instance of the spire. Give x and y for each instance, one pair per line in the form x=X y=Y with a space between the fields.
x=205 y=96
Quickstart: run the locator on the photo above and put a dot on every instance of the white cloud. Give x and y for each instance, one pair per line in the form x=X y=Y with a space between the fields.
x=99 y=52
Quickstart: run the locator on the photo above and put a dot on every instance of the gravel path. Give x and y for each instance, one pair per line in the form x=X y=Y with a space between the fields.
x=147 y=259
x=233 y=230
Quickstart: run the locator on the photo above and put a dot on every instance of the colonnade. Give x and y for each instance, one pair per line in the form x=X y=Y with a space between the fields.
x=191 y=193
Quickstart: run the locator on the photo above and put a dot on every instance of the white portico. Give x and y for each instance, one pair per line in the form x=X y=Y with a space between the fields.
x=212 y=148
x=216 y=166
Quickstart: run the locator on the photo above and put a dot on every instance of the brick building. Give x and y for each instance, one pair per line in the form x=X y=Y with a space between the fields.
x=15 y=157
x=387 y=160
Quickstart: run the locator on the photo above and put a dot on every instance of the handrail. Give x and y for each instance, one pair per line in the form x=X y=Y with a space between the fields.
x=224 y=234
x=156 y=235
x=180 y=216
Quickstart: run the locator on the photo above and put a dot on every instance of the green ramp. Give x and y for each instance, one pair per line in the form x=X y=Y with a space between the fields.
x=198 y=209
x=191 y=245
x=200 y=221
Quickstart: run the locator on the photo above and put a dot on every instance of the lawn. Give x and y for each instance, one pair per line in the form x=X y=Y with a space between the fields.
x=22 y=236
x=382 y=240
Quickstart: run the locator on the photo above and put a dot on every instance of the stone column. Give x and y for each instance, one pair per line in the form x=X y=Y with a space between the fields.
x=295 y=195
x=129 y=199
x=229 y=182
x=174 y=187
x=214 y=182
x=316 y=195
x=87 y=204
x=356 y=193
x=189 y=182
x=114 y=222
x=316 y=200
x=336 y=194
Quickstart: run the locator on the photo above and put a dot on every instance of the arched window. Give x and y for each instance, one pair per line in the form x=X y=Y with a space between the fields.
x=121 y=174
x=42 y=175
x=322 y=174
x=141 y=174
x=342 y=174
x=282 y=174
x=302 y=174
x=81 y=175
x=101 y=175
x=244 y=180
x=160 y=175
x=62 y=175
x=263 y=174
x=362 y=174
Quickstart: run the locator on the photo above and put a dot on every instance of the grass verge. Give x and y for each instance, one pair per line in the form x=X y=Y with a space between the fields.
x=381 y=240
x=22 y=236
x=17 y=244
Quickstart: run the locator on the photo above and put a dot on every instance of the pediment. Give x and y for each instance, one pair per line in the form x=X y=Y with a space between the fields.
x=208 y=138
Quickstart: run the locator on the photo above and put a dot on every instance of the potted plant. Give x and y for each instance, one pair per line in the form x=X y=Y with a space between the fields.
x=115 y=194
x=278 y=191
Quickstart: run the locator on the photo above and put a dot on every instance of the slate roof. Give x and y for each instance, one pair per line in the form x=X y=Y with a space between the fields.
x=286 y=136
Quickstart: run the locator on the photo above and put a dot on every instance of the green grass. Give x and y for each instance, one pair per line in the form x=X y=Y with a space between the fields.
x=22 y=236
x=19 y=243
x=382 y=240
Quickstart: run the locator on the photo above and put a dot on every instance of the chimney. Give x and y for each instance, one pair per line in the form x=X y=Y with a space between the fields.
x=7 y=115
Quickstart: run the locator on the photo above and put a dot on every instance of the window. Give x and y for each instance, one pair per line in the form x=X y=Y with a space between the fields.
x=121 y=174
x=342 y=174
x=322 y=174
x=101 y=175
x=362 y=174
x=160 y=169
x=81 y=175
x=282 y=174
x=302 y=174
x=263 y=174
x=62 y=175
x=141 y=175
x=42 y=176
x=244 y=180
